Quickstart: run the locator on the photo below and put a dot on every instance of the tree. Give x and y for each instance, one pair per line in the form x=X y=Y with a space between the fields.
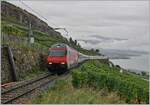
x=70 y=40
x=97 y=50
x=92 y=49
x=79 y=45
x=143 y=73
x=118 y=66
x=75 y=42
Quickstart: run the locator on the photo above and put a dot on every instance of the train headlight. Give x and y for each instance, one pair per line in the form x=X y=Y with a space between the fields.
x=50 y=63
x=62 y=63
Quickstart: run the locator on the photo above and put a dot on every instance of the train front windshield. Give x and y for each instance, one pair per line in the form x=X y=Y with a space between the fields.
x=57 y=52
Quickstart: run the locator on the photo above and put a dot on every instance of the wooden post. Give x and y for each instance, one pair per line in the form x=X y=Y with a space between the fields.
x=12 y=63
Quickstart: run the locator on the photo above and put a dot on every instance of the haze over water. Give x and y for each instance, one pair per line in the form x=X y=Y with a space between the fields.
x=136 y=63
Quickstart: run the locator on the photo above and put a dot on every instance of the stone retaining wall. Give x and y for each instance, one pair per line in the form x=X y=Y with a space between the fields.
x=6 y=75
x=25 y=62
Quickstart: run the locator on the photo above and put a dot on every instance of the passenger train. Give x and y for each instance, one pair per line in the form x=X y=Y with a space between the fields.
x=61 y=58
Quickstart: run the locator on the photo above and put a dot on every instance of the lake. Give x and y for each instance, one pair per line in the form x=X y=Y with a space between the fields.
x=136 y=63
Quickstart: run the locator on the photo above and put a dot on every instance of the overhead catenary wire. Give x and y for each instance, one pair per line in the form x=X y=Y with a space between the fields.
x=63 y=29
x=43 y=17
x=36 y=12
x=32 y=9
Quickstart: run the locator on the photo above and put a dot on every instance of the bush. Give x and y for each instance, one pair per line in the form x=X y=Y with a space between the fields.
x=11 y=30
x=129 y=86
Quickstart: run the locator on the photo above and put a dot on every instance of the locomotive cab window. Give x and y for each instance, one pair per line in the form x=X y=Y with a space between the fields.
x=57 y=52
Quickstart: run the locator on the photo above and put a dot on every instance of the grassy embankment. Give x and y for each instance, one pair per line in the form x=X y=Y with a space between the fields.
x=96 y=82
x=64 y=93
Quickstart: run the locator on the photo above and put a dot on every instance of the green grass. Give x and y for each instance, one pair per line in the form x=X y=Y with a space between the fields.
x=64 y=93
x=33 y=74
x=99 y=75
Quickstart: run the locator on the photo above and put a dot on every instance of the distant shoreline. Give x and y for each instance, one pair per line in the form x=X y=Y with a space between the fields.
x=119 y=58
x=134 y=64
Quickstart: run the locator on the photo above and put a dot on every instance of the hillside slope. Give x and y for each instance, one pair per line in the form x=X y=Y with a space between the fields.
x=15 y=21
x=29 y=58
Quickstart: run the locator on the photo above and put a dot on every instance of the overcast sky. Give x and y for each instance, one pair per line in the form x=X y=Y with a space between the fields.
x=98 y=24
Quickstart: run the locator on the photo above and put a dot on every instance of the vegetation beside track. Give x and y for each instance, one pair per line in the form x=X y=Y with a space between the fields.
x=98 y=75
x=96 y=82
x=33 y=74
x=64 y=93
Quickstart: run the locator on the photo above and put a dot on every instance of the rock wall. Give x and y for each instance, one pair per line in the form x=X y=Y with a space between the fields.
x=6 y=74
x=25 y=62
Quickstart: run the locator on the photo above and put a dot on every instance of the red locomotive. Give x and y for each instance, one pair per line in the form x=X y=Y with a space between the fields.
x=61 y=57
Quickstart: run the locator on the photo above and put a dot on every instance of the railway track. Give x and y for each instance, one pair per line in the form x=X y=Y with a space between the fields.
x=26 y=87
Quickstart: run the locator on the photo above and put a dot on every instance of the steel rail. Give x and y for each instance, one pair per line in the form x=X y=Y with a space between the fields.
x=10 y=95
x=27 y=82
x=18 y=91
